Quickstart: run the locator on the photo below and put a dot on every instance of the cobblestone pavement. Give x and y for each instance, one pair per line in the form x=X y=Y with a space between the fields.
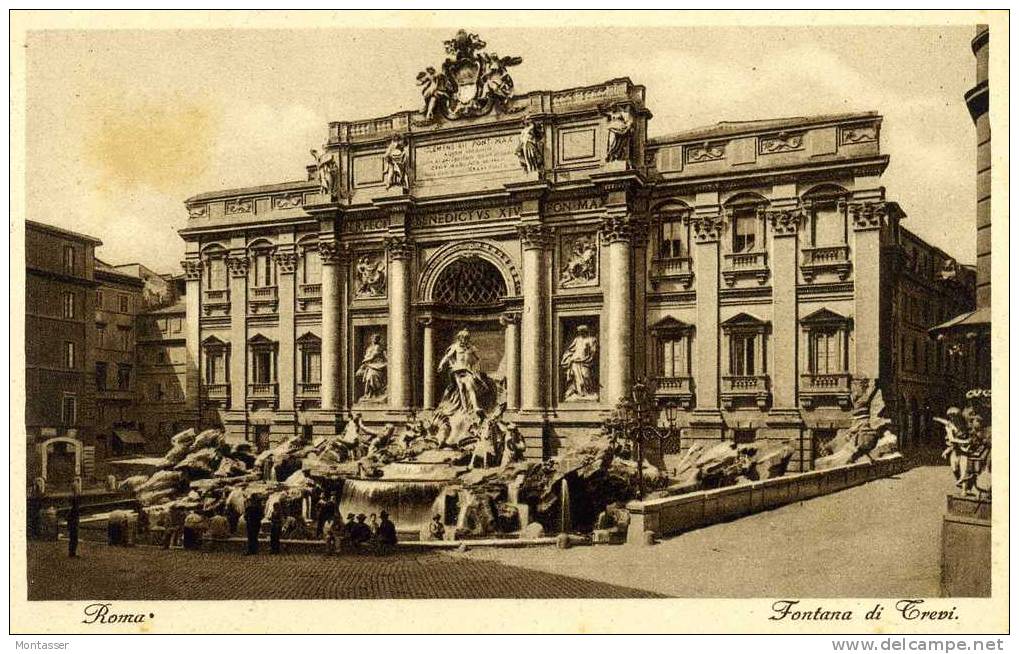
x=151 y=573
x=881 y=539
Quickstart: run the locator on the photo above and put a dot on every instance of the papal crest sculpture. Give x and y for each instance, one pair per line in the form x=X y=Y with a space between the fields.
x=471 y=83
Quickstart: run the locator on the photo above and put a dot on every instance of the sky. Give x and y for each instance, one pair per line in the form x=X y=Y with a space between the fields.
x=123 y=125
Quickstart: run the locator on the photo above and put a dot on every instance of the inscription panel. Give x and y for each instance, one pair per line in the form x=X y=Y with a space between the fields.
x=461 y=216
x=491 y=154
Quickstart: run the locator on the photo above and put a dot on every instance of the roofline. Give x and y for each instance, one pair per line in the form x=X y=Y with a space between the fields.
x=738 y=128
x=251 y=190
x=44 y=227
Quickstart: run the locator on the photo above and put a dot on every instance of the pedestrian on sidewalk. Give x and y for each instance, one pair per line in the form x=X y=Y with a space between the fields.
x=275 y=529
x=386 y=534
x=253 y=514
x=73 y=520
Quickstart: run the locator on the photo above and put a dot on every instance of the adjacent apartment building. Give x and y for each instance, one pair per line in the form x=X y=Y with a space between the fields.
x=60 y=289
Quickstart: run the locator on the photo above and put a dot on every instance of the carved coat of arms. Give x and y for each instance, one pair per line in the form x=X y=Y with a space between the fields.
x=471 y=83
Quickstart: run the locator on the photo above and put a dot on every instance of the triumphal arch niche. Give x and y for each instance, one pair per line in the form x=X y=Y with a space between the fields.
x=533 y=252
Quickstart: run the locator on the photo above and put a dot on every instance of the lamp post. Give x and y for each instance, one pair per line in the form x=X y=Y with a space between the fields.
x=635 y=419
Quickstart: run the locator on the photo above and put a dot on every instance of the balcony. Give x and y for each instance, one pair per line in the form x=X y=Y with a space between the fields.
x=816 y=388
x=739 y=389
x=309 y=389
x=828 y=259
x=308 y=295
x=218 y=393
x=263 y=299
x=740 y=265
x=262 y=391
x=215 y=298
x=678 y=390
x=678 y=269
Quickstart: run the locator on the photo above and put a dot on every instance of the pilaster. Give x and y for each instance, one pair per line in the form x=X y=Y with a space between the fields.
x=237 y=265
x=708 y=224
x=192 y=266
x=509 y=321
x=285 y=258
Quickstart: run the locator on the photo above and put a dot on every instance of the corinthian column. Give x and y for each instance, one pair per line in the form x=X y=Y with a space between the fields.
x=617 y=234
x=511 y=362
x=400 y=249
x=330 y=255
x=428 y=367
x=535 y=239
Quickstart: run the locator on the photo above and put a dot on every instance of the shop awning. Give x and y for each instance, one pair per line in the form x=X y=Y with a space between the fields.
x=129 y=436
x=968 y=324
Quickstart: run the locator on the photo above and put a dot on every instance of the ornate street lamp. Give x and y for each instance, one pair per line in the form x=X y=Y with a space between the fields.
x=635 y=420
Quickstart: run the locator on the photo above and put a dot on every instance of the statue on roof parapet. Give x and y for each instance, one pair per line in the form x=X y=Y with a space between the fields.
x=471 y=82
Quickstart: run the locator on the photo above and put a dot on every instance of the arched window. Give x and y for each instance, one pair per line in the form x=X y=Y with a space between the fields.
x=826 y=210
x=469 y=282
x=746 y=224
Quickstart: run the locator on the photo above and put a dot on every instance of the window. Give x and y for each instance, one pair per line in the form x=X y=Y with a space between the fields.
x=311 y=366
x=261 y=364
x=827 y=336
x=215 y=365
x=99 y=299
x=69 y=358
x=262 y=269
x=217 y=273
x=674 y=356
x=673 y=238
x=68 y=259
x=311 y=267
x=160 y=357
x=826 y=351
x=125 y=337
x=124 y=304
x=123 y=376
x=69 y=410
x=743 y=436
x=101 y=375
x=744 y=229
x=741 y=355
x=156 y=391
x=176 y=325
x=101 y=334
x=68 y=305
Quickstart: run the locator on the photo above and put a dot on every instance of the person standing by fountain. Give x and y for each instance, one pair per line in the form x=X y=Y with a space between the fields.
x=386 y=534
x=275 y=530
x=253 y=514
x=73 y=520
x=436 y=530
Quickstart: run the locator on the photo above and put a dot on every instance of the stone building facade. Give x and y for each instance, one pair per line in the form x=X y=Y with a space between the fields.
x=163 y=408
x=118 y=300
x=968 y=334
x=59 y=309
x=749 y=269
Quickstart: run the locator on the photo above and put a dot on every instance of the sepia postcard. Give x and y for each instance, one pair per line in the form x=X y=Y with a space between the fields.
x=611 y=322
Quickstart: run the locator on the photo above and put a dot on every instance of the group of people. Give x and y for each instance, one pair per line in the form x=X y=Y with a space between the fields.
x=361 y=532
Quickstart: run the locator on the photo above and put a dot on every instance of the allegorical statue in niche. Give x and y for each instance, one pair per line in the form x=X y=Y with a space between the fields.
x=579 y=361
x=325 y=166
x=529 y=147
x=371 y=277
x=372 y=371
x=469 y=389
x=394 y=162
x=620 y=128
x=581 y=268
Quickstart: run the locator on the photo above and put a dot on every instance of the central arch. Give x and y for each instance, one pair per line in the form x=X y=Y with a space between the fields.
x=455 y=255
x=469 y=282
